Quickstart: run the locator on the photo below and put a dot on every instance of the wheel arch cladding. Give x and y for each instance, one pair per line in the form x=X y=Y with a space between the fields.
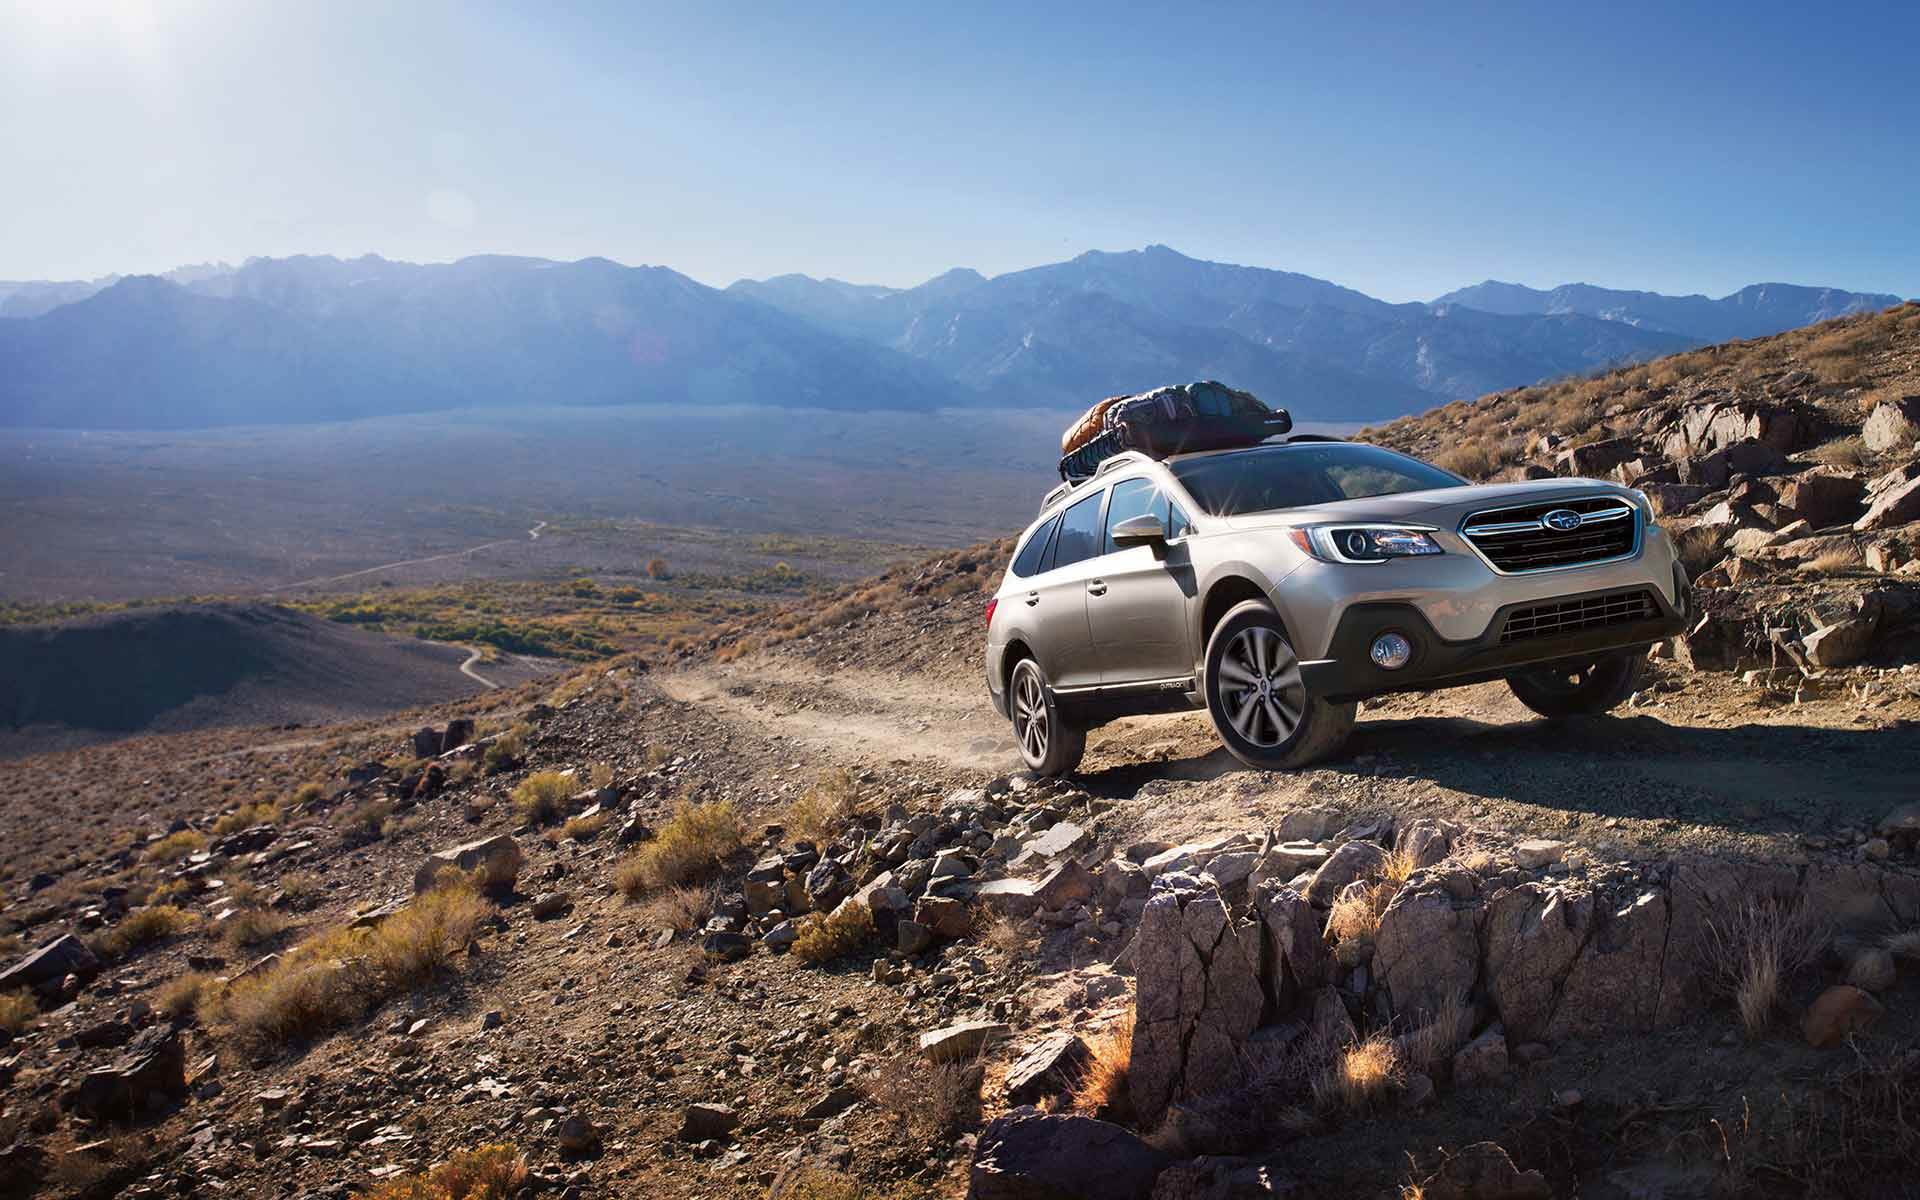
x=1222 y=595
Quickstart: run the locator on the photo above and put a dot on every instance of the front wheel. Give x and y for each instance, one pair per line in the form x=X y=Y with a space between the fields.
x=1051 y=745
x=1580 y=689
x=1258 y=698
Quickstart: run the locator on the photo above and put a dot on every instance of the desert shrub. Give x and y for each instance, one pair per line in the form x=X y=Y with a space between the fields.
x=142 y=927
x=1755 y=948
x=1698 y=547
x=506 y=750
x=585 y=829
x=368 y=819
x=824 y=937
x=307 y=795
x=1361 y=1075
x=680 y=908
x=688 y=847
x=176 y=846
x=17 y=1011
x=929 y=1101
x=485 y=1173
x=541 y=797
x=252 y=927
x=1101 y=1088
x=185 y=996
x=1472 y=460
x=333 y=979
x=825 y=808
x=600 y=775
x=301 y=886
x=246 y=817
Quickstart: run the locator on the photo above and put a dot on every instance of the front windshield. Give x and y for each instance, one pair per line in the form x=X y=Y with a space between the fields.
x=1273 y=477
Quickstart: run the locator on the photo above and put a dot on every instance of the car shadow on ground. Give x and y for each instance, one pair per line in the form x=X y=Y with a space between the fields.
x=1752 y=778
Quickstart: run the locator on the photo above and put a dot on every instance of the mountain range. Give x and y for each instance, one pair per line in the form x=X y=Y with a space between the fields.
x=320 y=338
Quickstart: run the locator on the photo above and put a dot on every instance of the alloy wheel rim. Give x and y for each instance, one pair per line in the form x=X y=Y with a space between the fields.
x=1030 y=715
x=1261 y=688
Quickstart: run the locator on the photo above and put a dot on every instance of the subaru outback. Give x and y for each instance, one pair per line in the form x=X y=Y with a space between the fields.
x=1279 y=585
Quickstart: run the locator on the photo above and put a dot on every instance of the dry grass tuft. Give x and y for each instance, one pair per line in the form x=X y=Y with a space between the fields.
x=1004 y=937
x=824 y=809
x=1698 y=548
x=585 y=829
x=485 y=1173
x=1361 y=1076
x=17 y=1011
x=687 y=848
x=824 y=937
x=930 y=1101
x=1470 y=460
x=143 y=927
x=335 y=978
x=185 y=996
x=679 y=908
x=1753 y=950
x=1101 y=1089
x=176 y=846
x=541 y=798
x=1841 y=561
x=246 y=817
x=252 y=927
x=1435 y=1042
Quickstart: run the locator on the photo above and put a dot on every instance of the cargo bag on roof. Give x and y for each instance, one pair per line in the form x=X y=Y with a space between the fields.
x=1170 y=420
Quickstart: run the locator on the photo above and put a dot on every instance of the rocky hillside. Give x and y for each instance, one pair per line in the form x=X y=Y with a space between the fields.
x=1785 y=467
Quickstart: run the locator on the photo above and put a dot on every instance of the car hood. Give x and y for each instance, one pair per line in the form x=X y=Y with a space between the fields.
x=1437 y=506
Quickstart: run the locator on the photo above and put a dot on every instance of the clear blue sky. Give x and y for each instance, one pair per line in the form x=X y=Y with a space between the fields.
x=1403 y=150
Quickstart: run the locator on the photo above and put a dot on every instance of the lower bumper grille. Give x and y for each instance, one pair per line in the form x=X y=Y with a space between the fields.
x=1560 y=617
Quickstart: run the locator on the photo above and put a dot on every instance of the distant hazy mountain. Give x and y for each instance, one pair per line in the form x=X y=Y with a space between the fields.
x=1754 y=311
x=320 y=339
x=316 y=338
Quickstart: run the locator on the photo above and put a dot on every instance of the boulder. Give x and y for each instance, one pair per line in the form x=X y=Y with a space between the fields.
x=1353 y=860
x=1427 y=947
x=1308 y=824
x=1533 y=934
x=1067 y=885
x=1427 y=840
x=1892 y=425
x=1895 y=506
x=704 y=1122
x=1062 y=838
x=1825 y=497
x=1296 y=961
x=497 y=859
x=1840 y=1011
x=1026 y=1155
x=45 y=968
x=1593 y=459
x=152 y=1073
x=726 y=945
x=965 y=1040
x=1010 y=897
x=1482 y=1060
x=1841 y=643
x=1047 y=1069
x=1670 y=498
x=1483 y=1171
x=911 y=937
x=1726 y=423
x=1197 y=995
x=946 y=918
x=1615 y=984
x=1530 y=854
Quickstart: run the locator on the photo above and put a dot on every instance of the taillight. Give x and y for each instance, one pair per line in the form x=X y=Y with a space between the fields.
x=991 y=605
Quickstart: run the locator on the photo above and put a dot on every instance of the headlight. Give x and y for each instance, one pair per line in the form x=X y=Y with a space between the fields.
x=1365 y=543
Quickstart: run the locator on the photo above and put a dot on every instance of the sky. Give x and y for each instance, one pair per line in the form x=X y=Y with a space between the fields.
x=1404 y=150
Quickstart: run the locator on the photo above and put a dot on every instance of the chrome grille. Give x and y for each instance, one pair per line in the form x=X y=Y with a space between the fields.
x=1559 y=617
x=1515 y=540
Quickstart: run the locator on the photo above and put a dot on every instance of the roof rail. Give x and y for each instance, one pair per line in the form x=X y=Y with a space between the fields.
x=1109 y=464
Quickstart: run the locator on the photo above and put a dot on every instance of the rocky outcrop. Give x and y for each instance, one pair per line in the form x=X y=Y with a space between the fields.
x=45 y=968
x=1197 y=995
x=1428 y=945
x=148 y=1076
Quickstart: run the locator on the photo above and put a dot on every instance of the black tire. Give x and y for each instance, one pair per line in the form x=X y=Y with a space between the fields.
x=1580 y=689
x=1051 y=745
x=1258 y=723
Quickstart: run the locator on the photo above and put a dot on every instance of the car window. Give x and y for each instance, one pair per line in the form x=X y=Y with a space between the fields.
x=1276 y=477
x=1131 y=498
x=1079 y=533
x=1173 y=517
x=1027 y=562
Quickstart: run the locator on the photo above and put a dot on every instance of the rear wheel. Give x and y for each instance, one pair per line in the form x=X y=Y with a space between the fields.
x=1575 y=689
x=1050 y=744
x=1258 y=699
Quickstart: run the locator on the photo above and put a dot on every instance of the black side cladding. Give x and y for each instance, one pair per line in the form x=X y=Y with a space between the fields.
x=1184 y=419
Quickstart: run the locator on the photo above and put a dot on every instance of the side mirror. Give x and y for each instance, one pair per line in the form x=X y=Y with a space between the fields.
x=1143 y=530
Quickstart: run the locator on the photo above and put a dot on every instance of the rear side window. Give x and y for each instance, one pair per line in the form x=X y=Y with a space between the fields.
x=1131 y=498
x=1079 y=533
x=1027 y=562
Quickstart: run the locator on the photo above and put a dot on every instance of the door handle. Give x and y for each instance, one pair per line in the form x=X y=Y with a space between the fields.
x=1033 y=598
x=1096 y=587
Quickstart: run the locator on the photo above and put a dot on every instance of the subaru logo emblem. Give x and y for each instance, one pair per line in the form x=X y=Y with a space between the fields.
x=1562 y=520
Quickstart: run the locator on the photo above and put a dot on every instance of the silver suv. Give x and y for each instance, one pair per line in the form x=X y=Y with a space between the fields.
x=1279 y=585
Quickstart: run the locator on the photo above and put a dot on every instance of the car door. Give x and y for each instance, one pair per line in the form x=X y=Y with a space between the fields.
x=1138 y=598
x=1057 y=597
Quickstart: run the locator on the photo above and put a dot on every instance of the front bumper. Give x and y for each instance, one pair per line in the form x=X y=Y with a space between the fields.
x=1348 y=673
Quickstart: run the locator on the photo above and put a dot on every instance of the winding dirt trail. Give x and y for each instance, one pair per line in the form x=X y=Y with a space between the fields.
x=532 y=535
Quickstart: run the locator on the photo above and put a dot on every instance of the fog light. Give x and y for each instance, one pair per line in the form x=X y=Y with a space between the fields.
x=1391 y=651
